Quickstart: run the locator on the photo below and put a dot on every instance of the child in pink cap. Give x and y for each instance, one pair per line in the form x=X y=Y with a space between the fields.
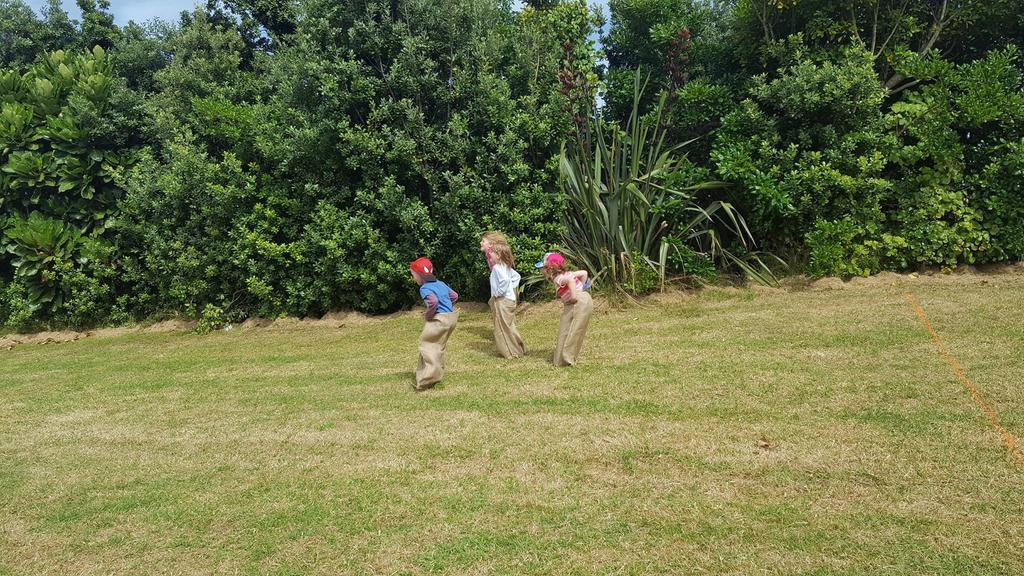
x=571 y=288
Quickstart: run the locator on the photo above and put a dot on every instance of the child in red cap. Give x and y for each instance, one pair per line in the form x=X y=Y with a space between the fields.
x=440 y=317
x=571 y=289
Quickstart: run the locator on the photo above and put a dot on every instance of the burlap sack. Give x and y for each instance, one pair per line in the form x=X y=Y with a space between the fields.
x=571 y=330
x=506 y=336
x=433 y=340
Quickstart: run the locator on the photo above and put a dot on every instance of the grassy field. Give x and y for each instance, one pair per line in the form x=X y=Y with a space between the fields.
x=730 y=432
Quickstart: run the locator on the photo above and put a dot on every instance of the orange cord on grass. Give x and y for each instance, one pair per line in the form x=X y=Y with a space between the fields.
x=993 y=417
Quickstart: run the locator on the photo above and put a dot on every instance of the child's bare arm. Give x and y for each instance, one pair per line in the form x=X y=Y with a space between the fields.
x=582 y=275
x=570 y=283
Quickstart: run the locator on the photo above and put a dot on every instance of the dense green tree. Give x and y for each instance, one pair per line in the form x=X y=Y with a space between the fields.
x=891 y=30
x=97 y=25
x=644 y=33
x=682 y=45
x=306 y=179
x=275 y=18
x=19 y=30
x=24 y=35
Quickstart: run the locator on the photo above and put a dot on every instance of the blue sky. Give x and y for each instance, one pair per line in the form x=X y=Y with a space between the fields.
x=125 y=10
x=142 y=10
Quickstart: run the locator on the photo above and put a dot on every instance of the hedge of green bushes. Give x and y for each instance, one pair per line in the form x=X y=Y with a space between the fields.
x=263 y=157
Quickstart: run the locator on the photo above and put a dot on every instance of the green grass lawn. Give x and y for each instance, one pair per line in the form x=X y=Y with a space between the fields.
x=304 y=451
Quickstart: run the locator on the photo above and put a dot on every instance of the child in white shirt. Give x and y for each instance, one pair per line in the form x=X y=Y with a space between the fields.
x=504 y=284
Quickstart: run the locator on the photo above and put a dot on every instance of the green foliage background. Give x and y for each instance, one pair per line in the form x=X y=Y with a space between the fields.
x=290 y=157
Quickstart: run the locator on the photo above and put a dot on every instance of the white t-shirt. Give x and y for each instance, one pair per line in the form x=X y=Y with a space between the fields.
x=504 y=282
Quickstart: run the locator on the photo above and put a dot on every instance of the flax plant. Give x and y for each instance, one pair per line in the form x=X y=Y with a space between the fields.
x=619 y=188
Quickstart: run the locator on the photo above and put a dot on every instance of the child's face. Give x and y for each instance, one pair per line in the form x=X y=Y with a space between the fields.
x=485 y=245
x=416 y=278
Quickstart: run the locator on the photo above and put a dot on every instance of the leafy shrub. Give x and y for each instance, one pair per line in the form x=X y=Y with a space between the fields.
x=957 y=130
x=43 y=248
x=88 y=297
x=61 y=147
x=1000 y=191
x=349 y=264
x=684 y=260
x=5 y=308
x=15 y=309
x=212 y=318
x=839 y=248
x=319 y=202
x=54 y=160
x=808 y=145
x=179 y=219
x=824 y=167
x=640 y=279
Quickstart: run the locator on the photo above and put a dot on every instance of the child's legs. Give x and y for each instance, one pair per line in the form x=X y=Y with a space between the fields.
x=506 y=337
x=515 y=337
x=449 y=321
x=499 y=334
x=428 y=370
x=578 y=328
x=563 y=333
x=433 y=340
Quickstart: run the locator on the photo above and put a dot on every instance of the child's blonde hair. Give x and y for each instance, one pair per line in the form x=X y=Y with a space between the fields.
x=500 y=248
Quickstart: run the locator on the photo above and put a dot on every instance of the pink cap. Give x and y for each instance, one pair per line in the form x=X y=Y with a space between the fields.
x=553 y=259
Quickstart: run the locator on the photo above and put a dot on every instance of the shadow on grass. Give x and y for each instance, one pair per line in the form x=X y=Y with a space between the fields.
x=403 y=376
x=483 y=341
x=483 y=332
x=545 y=354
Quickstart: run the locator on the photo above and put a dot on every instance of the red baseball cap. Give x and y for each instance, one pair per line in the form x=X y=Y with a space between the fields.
x=422 y=266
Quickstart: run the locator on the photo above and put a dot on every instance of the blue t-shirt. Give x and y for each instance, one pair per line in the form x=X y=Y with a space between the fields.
x=442 y=292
